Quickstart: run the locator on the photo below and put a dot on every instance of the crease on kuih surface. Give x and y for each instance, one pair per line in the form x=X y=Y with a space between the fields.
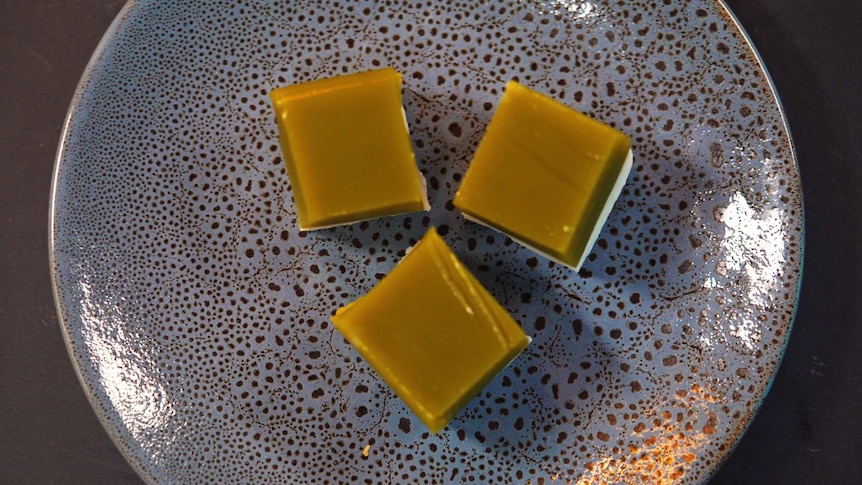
x=474 y=296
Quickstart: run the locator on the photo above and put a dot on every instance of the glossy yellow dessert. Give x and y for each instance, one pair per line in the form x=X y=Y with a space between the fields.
x=434 y=334
x=545 y=175
x=348 y=150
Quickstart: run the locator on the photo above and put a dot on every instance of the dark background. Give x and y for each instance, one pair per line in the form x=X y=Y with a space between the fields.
x=809 y=429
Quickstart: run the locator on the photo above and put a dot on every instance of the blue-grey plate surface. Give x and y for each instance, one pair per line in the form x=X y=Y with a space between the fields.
x=197 y=315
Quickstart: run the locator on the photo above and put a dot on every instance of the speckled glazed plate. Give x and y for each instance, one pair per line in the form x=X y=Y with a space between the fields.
x=198 y=315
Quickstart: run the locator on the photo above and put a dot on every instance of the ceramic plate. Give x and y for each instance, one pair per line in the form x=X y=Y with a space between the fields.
x=197 y=314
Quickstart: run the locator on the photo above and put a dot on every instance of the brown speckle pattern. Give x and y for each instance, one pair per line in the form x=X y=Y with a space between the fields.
x=198 y=315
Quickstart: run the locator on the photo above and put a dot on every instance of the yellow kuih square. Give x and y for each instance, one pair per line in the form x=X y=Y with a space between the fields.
x=348 y=150
x=434 y=334
x=545 y=175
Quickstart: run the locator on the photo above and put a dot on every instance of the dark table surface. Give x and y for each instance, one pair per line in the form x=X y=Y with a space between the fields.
x=809 y=429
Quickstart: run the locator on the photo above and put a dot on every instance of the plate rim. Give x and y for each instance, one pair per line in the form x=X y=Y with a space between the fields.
x=145 y=474
x=773 y=91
